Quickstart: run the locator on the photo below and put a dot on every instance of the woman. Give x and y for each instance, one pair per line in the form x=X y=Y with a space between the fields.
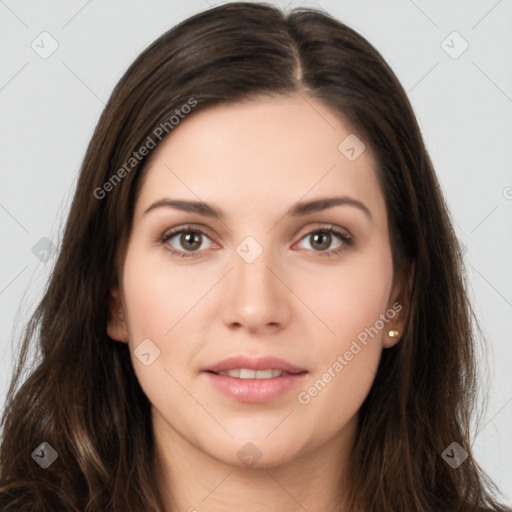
x=259 y=300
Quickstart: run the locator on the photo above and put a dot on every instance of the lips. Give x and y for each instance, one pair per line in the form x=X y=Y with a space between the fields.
x=254 y=380
x=260 y=364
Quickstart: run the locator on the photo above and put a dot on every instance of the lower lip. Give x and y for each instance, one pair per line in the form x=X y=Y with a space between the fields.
x=254 y=391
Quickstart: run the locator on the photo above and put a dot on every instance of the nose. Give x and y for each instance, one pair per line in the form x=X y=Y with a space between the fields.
x=256 y=298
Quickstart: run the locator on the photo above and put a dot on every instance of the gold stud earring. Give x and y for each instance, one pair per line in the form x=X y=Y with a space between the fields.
x=393 y=333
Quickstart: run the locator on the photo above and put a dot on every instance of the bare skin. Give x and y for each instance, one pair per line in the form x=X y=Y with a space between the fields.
x=254 y=161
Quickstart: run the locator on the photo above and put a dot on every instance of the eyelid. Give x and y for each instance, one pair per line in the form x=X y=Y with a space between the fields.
x=334 y=228
x=186 y=227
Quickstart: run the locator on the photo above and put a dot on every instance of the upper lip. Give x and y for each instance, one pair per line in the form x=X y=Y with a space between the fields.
x=262 y=363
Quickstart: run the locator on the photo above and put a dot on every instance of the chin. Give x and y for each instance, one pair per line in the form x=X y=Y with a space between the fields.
x=258 y=451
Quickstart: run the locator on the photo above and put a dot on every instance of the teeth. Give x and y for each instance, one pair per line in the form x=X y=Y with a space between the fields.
x=245 y=373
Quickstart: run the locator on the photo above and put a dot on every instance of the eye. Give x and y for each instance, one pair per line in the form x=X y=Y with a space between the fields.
x=189 y=240
x=321 y=239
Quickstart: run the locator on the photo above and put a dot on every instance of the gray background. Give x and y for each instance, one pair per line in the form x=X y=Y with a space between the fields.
x=50 y=106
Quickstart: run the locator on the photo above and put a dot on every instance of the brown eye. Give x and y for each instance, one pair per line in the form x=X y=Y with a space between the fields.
x=190 y=240
x=185 y=241
x=321 y=240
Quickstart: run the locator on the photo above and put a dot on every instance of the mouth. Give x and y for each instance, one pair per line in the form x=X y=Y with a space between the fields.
x=247 y=373
x=251 y=380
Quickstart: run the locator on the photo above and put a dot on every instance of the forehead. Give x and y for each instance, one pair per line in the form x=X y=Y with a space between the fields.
x=271 y=150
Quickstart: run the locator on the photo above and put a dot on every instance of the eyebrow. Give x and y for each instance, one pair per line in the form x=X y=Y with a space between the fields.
x=297 y=210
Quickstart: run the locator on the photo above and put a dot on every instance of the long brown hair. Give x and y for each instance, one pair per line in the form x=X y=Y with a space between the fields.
x=82 y=396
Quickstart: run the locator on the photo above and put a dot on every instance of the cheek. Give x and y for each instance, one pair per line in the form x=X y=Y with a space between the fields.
x=332 y=397
x=158 y=298
x=163 y=305
x=354 y=305
x=158 y=293
x=351 y=297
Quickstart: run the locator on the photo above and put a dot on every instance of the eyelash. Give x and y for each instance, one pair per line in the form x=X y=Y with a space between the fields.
x=344 y=237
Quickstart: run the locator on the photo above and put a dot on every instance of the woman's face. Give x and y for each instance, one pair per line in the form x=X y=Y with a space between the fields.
x=260 y=286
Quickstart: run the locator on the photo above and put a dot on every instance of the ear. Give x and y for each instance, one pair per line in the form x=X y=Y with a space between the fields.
x=116 y=324
x=399 y=305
